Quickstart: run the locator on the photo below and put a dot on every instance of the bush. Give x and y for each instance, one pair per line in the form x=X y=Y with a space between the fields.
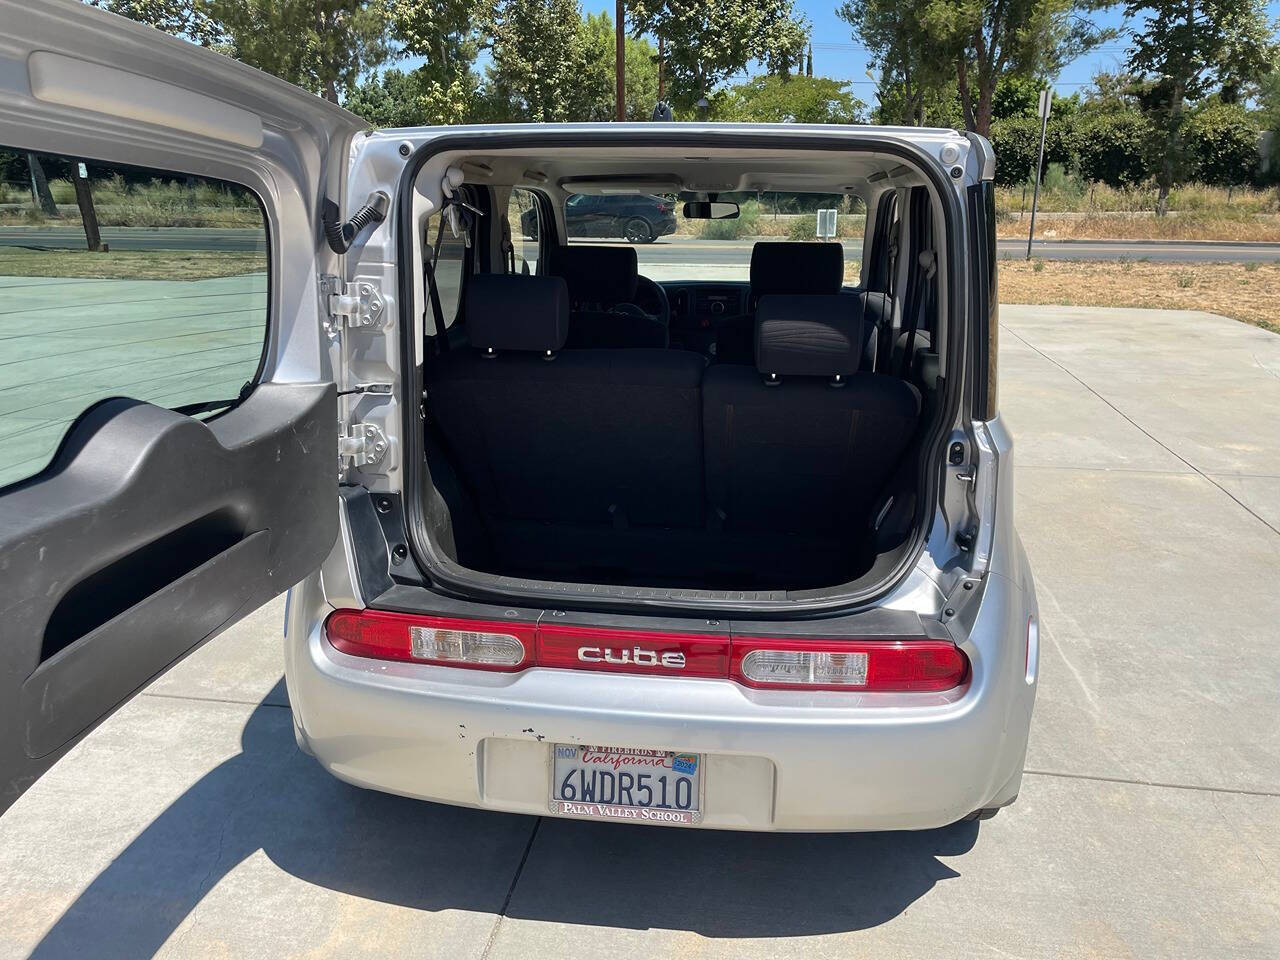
x=1221 y=143
x=1016 y=141
x=806 y=227
x=743 y=226
x=1113 y=148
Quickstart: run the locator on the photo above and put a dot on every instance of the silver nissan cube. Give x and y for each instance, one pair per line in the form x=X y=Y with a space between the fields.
x=702 y=526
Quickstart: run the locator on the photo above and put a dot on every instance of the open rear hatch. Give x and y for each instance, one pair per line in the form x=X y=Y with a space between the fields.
x=667 y=477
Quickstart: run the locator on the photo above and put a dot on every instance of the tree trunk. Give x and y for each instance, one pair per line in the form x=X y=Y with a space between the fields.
x=40 y=187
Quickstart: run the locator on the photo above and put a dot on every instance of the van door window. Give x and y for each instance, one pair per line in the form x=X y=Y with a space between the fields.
x=526 y=233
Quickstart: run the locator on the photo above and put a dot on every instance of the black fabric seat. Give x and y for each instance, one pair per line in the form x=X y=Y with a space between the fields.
x=803 y=443
x=603 y=438
x=798 y=267
x=598 y=278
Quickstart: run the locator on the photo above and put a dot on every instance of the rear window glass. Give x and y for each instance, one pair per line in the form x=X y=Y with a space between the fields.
x=121 y=282
x=670 y=247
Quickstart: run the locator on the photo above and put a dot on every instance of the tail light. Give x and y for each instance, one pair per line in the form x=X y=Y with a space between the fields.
x=871 y=665
x=445 y=641
x=761 y=662
x=664 y=208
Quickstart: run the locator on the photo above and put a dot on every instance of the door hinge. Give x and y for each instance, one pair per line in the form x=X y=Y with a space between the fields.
x=354 y=304
x=360 y=445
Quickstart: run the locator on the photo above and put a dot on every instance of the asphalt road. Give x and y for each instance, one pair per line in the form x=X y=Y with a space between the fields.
x=189 y=825
x=685 y=251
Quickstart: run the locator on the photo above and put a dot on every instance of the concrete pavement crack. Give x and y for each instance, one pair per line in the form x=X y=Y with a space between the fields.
x=1134 y=423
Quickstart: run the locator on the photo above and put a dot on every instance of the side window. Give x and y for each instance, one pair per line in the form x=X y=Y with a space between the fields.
x=122 y=282
x=526 y=233
x=451 y=260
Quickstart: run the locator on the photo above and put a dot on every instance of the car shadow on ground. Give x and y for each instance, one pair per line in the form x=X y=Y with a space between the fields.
x=424 y=856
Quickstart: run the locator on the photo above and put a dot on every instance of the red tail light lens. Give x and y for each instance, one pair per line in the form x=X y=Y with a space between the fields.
x=761 y=662
x=633 y=651
x=874 y=665
x=479 y=644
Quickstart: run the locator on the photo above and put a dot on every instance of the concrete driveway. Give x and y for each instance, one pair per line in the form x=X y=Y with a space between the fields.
x=1149 y=824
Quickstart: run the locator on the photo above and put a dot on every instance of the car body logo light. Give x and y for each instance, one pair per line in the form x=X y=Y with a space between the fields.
x=854 y=665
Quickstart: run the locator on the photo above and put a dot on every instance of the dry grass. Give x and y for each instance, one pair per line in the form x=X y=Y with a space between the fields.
x=128 y=265
x=1189 y=226
x=1243 y=291
x=1064 y=193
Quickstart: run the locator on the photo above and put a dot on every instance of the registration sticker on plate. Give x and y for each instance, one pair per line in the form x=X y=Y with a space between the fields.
x=621 y=783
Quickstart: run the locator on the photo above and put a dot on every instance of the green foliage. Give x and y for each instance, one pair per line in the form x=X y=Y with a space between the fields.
x=442 y=32
x=324 y=46
x=1222 y=145
x=744 y=226
x=640 y=74
x=190 y=19
x=798 y=99
x=1113 y=147
x=540 y=68
x=707 y=41
x=417 y=98
x=1184 y=50
x=914 y=79
x=1016 y=141
x=806 y=227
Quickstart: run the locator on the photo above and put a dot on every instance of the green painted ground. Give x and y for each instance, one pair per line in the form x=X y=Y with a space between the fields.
x=66 y=343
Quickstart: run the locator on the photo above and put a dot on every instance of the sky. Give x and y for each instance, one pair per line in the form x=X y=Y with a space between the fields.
x=836 y=54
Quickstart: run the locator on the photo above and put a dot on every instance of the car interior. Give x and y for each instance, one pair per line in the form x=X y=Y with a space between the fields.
x=587 y=423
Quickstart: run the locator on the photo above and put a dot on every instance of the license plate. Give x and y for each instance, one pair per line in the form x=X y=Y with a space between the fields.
x=620 y=783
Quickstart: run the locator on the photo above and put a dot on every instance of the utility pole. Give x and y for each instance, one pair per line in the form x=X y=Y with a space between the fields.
x=620 y=60
x=1046 y=97
x=661 y=85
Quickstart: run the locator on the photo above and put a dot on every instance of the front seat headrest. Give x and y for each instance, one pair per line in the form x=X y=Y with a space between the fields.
x=801 y=266
x=808 y=336
x=510 y=312
x=597 y=274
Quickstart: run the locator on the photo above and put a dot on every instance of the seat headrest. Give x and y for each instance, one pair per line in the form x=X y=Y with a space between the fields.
x=808 y=336
x=511 y=312
x=596 y=274
x=802 y=266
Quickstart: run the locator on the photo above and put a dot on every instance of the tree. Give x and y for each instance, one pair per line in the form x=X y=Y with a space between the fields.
x=987 y=40
x=913 y=77
x=189 y=19
x=708 y=41
x=540 y=69
x=324 y=46
x=640 y=76
x=321 y=45
x=1183 y=50
x=1222 y=145
x=798 y=99
x=443 y=34
x=400 y=99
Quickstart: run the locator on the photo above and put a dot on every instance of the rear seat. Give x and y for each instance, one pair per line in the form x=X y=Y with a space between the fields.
x=607 y=437
x=803 y=443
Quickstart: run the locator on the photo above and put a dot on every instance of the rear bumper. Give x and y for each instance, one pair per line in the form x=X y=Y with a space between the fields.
x=774 y=760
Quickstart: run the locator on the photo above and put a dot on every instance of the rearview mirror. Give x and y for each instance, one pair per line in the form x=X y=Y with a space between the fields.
x=710 y=210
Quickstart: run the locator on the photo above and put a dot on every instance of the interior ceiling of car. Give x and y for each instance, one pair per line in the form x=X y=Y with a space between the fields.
x=652 y=171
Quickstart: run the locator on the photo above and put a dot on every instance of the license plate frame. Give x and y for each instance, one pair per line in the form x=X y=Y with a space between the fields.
x=678 y=765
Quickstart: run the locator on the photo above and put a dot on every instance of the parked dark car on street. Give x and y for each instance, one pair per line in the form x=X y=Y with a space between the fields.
x=640 y=218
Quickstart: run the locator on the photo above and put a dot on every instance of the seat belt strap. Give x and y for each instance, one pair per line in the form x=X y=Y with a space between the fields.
x=433 y=292
x=928 y=266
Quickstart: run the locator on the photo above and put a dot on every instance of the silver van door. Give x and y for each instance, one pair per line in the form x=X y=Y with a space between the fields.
x=144 y=530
